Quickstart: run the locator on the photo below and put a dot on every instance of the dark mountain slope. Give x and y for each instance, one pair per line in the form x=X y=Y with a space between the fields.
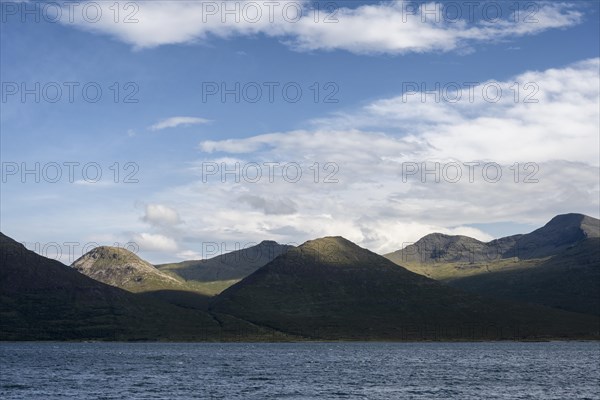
x=570 y=280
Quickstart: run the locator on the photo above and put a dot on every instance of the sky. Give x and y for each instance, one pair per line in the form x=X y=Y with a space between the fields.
x=186 y=129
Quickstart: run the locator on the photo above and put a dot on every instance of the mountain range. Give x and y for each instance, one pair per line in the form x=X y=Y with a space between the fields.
x=560 y=233
x=557 y=265
x=43 y=299
x=540 y=285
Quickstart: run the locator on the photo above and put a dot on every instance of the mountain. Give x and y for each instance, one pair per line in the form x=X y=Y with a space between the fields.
x=42 y=299
x=330 y=288
x=445 y=257
x=560 y=233
x=557 y=265
x=213 y=275
x=121 y=268
x=438 y=248
x=569 y=280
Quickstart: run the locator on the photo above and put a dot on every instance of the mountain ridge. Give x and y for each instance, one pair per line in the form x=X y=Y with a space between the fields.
x=325 y=289
x=556 y=235
x=555 y=265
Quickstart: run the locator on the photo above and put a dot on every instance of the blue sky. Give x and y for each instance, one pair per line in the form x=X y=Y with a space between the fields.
x=170 y=55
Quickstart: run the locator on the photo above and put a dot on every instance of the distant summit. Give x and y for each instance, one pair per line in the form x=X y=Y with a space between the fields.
x=578 y=223
x=557 y=265
x=560 y=233
x=227 y=267
x=121 y=268
x=437 y=247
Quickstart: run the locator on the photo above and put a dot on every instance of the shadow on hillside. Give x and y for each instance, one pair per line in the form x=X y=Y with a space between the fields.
x=180 y=298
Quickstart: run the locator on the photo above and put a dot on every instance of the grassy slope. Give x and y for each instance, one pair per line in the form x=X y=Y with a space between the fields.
x=457 y=270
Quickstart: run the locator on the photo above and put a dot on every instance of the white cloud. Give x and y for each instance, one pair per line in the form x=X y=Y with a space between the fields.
x=174 y=122
x=373 y=205
x=562 y=123
x=270 y=206
x=155 y=242
x=393 y=27
x=390 y=27
x=189 y=255
x=161 y=215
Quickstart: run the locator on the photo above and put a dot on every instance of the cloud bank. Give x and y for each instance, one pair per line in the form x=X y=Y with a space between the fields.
x=394 y=27
x=404 y=159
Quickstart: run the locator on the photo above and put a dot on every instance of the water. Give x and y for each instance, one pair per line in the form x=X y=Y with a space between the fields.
x=300 y=371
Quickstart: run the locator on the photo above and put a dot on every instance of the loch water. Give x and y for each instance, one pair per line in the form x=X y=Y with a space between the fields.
x=490 y=370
